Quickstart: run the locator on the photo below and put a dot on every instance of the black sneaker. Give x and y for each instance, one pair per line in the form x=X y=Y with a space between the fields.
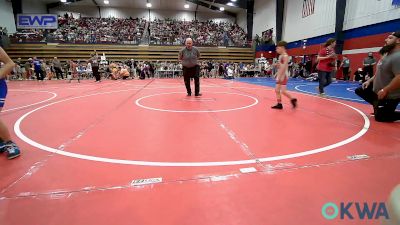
x=277 y=106
x=189 y=94
x=10 y=148
x=322 y=95
x=198 y=95
x=13 y=151
x=3 y=146
x=294 y=102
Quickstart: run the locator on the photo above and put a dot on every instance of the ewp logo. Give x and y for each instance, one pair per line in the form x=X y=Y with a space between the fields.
x=37 y=21
x=364 y=211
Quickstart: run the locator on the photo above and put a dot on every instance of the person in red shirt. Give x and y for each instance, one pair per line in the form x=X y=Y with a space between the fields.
x=326 y=64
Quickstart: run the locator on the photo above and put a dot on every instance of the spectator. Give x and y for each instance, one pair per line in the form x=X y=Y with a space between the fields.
x=57 y=68
x=369 y=63
x=359 y=76
x=345 y=67
x=37 y=64
x=384 y=95
x=209 y=33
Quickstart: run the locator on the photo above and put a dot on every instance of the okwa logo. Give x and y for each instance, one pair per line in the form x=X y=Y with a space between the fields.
x=355 y=210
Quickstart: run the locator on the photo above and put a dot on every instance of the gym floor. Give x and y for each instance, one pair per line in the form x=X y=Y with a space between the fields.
x=142 y=152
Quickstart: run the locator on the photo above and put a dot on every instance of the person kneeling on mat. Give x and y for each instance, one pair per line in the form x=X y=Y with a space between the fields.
x=384 y=94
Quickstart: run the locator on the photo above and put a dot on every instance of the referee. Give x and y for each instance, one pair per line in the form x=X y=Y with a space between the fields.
x=188 y=57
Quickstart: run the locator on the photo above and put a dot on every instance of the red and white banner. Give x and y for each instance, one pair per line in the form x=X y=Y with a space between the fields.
x=308 y=7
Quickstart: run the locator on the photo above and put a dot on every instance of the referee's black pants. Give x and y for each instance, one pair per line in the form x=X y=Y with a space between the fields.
x=192 y=72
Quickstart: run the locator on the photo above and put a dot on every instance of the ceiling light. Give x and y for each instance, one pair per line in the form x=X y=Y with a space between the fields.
x=222 y=8
x=64 y=1
x=233 y=0
x=148 y=5
x=186 y=6
x=106 y=2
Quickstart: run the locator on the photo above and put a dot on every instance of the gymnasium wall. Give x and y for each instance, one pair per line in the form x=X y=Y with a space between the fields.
x=358 y=42
x=366 y=12
x=321 y=22
x=84 y=11
x=33 y=6
x=7 y=16
x=264 y=16
x=241 y=20
x=367 y=24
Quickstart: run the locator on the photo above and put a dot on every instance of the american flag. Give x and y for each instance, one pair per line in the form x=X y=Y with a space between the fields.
x=308 y=7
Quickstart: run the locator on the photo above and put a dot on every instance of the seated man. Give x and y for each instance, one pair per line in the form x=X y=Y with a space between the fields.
x=229 y=73
x=360 y=76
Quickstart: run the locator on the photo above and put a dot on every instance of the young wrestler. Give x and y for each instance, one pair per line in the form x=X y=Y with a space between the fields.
x=6 y=145
x=74 y=71
x=282 y=76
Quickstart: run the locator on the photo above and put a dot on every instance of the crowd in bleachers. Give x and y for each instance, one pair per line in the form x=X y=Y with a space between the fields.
x=86 y=30
x=98 y=30
x=3 y=30
x=132 y=31
x=209 y=33
x=265 y=39
x=28 y=35
x=238 y=36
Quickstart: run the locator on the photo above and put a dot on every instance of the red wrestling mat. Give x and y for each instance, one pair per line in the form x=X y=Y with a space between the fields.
x=90 y=149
